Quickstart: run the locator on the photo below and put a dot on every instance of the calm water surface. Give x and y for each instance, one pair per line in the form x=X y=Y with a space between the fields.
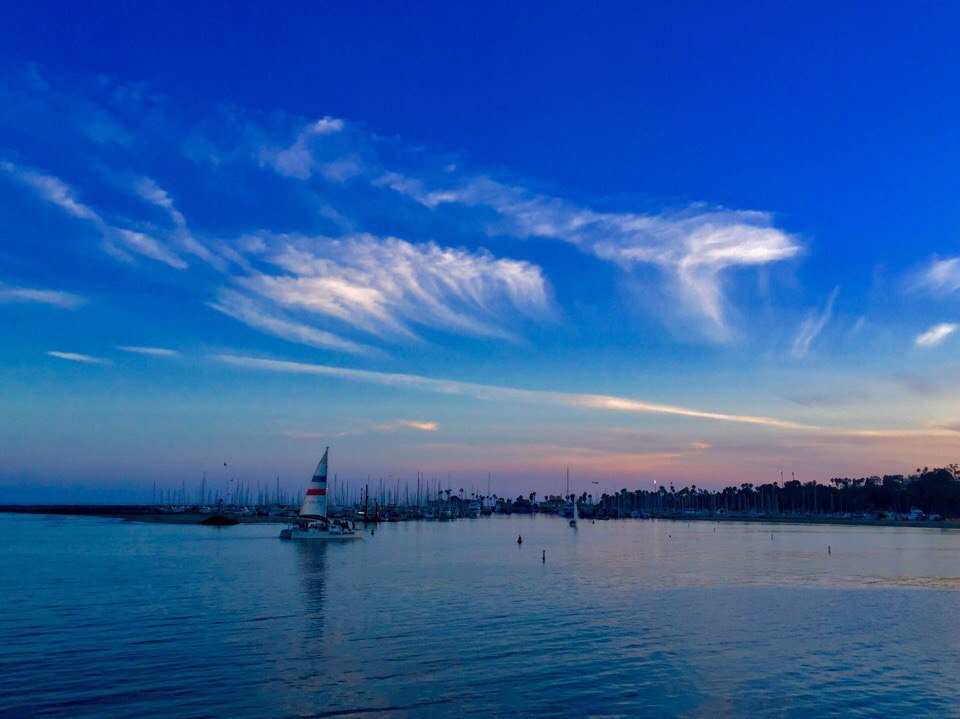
x=104 y=618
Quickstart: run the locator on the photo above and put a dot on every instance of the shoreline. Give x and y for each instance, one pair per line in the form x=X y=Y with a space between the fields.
x=149 y=515
x=130 y=513
x=945 y=524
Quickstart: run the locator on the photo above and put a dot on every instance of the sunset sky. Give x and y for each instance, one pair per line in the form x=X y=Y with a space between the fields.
x=648 y=243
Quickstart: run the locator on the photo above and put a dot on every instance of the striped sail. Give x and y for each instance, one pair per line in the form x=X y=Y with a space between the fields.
x=315 y=503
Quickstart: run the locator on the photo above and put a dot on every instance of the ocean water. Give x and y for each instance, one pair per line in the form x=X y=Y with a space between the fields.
x=105 y=618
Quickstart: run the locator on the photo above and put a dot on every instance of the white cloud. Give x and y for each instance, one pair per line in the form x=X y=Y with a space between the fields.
x=76 y=357
x=53 y=190
x=148 y=189
x=116 y=239
x=255 y=314
x=939 y=276
x=56 y=298
x=303 y=158
x=492 y=392
x=813 y=325
x=572 y=399
x=695 y=247
x=391 y=427
x=936 y=334
x=383 y=286
x=416 y=424
x=148 y=351
x=148 y=246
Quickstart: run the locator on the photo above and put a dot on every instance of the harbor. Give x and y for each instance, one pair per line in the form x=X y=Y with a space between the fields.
x=930 y=498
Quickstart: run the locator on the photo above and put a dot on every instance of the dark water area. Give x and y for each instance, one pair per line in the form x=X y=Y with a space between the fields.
x=105 y=618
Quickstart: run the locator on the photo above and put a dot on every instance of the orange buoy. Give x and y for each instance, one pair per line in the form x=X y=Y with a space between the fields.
x=520 y=539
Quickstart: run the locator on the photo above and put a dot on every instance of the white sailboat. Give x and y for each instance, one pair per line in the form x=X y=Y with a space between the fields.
x=313 y=522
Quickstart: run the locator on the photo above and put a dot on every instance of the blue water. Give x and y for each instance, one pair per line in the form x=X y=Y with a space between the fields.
x=104 y=618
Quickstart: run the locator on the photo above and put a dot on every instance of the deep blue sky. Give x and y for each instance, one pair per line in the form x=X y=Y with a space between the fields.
x=769 y=194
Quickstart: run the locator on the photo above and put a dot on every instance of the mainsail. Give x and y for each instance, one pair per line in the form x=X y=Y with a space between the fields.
x=315 y=503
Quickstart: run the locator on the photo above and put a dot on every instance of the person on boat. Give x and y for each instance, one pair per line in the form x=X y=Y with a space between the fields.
x=520 y=539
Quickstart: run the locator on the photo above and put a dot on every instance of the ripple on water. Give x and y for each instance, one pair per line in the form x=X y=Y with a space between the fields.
x=101 y=618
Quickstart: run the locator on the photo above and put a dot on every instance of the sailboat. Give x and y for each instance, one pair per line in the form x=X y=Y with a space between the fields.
x=313 y=523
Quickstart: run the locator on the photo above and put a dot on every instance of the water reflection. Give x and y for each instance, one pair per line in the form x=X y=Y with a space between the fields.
x=455 y=619
x=312 y=561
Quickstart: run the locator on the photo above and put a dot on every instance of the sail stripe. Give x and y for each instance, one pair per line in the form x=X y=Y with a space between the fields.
x=314 y=492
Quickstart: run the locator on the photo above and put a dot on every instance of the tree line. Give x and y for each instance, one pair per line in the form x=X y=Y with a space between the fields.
x=933 y=491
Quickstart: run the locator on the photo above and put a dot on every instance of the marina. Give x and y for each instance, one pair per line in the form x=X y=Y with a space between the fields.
x=871 y=501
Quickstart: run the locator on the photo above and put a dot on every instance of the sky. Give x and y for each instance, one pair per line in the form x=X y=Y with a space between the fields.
x=691 y=243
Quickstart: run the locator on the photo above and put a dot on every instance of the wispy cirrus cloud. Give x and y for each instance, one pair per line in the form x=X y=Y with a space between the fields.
x=571 y=399
x=148 y=189
x=117 y=240
x=694 y=247
x=56 y=298
x=938 y=275
x=418 y=424
x=935 y=335
x=264 y=317
x=813 y=325
x=493 y=392
x=77 y=357
x=149 y=351
x=341 y=239
x=53 y=190
x=312 y=152
x=317 y=289
x=386 y=286
x=399 y=424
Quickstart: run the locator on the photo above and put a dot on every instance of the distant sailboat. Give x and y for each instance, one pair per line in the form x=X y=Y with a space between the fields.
x=313 y=522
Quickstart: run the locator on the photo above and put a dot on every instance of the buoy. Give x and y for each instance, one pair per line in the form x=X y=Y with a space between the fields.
x=520 y=539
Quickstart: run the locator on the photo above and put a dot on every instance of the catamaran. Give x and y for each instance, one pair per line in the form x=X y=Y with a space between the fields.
x=313 y=523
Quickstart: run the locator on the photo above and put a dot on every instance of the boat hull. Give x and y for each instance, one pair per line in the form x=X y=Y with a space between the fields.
x=314 y=535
